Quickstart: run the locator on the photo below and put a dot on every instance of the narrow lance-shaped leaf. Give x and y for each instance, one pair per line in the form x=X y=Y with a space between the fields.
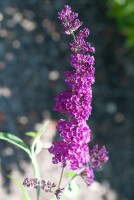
x=31 y=134
x=24 y=192
x=16 y=141
x=35 y=149
x=37 y=138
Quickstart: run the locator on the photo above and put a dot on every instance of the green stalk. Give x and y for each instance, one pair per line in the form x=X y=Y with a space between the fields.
x=62 y=171
x=36 y=172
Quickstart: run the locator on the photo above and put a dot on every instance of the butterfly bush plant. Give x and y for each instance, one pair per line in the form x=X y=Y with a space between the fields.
x=72 y=150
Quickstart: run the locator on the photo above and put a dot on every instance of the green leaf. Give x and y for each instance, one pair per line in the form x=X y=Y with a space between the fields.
x=31 y=134
x=39 y=147
x=24 y=192
x=72 y=190
x=37 y=138
x=70 y=173
x=15 y=140
x=130 y=42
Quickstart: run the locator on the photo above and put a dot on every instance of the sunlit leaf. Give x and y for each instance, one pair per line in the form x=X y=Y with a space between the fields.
x=31 y=134
x=123 y=13
x=23 y=190
x=15 y=140
x=70 y=173
x=39 y=147
x=37 y=138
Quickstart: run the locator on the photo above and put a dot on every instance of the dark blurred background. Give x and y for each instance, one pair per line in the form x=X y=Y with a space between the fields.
x=34 y=55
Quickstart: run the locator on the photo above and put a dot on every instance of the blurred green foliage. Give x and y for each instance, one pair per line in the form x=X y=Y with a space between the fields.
x=123 y=12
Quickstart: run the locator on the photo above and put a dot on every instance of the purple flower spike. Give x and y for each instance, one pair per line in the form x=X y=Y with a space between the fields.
x=75 y=102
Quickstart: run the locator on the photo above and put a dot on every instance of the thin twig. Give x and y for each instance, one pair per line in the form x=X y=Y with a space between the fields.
x=60 y=178
x=73 y=36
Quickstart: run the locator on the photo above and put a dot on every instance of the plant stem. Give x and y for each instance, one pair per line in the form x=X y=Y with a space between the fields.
x=36 y=173
x=73 y=36
x=62 y=171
